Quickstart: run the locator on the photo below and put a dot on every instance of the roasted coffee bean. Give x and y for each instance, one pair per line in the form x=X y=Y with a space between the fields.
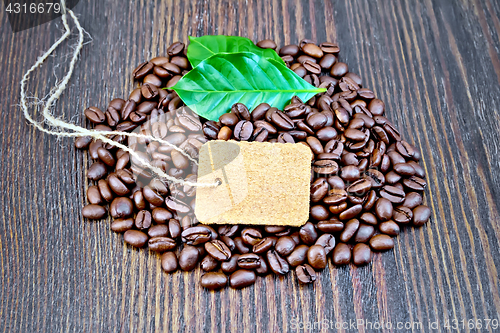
x=175 y=48
x=122 y=224
x=213 y=281
x=407 y=150
x=231 y=265
x=292 y=50
x=121 y=207
x=402 y=215
x=188 y=258
x=105 y=191
x=392 y=177
x=241 y=111
x=392 y=193
x=251 y=236
x=243 y=130
x=93 y=212
x=319 y=189
x=143 y=220
x=174 y=228
x=308 y=233
x=421 y=215
x=282 y=121
x=117 y=185
x=152 y=196
x=94 y=196
x=96 y=171
x=285 y=245
x=315 y=145
x=364 y=233
x=316 y=256
x=335 y=197
x=298 y=255
x=242 y=278
x=229 y=119
x=241 y=247
x=95 y=115
x=161 y=215
x=341 y=254
x=161 y=244
x=139 y=201
x=305 y=274
x=264 y=245
x=339 y=69
x=325 y=167
x=381 y=243
x=83 y=142
x=209 y=263
x=228 y=230
x=267 y=44
x=415 y=183
x=277 y=264
x=142 y=70
x=218 y=250
x=196 y=235
x=327 y=241
x=359 y=187
x=330 y=226
x=169 y=262
x=319 y=213
x=350 y=173
x=390 y=228
x=135 y=238
x=249 y=261
x=383 y=209
x=211 y=129
x=361 y=254
x=160 y=230
x=225 y=133
x=350 y=229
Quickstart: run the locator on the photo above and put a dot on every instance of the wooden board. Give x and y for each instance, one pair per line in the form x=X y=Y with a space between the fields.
x=434 y=62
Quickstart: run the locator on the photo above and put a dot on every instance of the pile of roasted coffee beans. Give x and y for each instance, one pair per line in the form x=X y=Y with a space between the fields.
x=366 y=182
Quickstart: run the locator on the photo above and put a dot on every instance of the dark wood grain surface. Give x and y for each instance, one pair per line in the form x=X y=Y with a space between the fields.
x=434 y=62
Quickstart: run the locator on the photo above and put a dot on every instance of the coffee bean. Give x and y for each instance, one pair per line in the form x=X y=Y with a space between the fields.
x=361 y=254
x=298 y=255
x=218 y=250
x=421 y=215
x=94 y=196
x=152 y=196
x=143 y=220
x=415 y=183
x=383 y=209
x=350 y=229
x=341 y=254
x=325 y=167
x=308 y=233
x=121 y=207
x=285 y=245
x=196 y=235
x=305 y=274
x=277 y=264
x=83 y=142
x=169 y=262
x=390 y=228
x=359 y=187
x=242 y=278
x=267 y=44
x=209 y=263
x=96 y=171
x=251 y=236
x=95 y=115
x=93 y=212
x=135 y=238
x=319 y=189
x=331 y=226
x=316 y=256
x=264 y=245
x=175 y=48
x=339 y=69
x=122 y=224
x=327 y=241
x=161 y=244
x=213 y=281
x=249 y=261
x=243 y=130
x=292 y=50
x=231 y=265
x=282 y=121
x=392 y=193
x=402 y=215
x=142 y=70
x=160 y=230
x=350 y=173
x=161 y=215
x=364 y=233
x=105 y=191
x=188 y=258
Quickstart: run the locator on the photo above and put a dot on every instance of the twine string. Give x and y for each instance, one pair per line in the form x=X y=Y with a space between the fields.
x=80 y=131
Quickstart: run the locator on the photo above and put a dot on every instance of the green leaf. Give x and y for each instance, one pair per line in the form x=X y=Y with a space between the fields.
x=211 y=88
x=201 y=48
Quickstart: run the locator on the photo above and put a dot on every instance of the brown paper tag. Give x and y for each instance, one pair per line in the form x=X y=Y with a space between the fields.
x=261 y=183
